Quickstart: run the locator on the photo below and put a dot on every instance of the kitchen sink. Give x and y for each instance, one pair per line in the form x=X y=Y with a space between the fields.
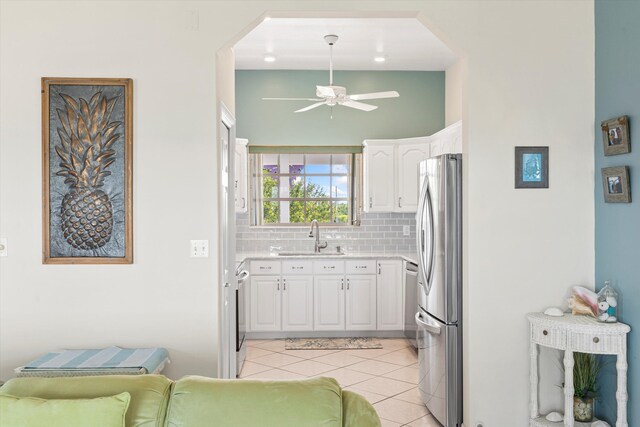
x=310 y=253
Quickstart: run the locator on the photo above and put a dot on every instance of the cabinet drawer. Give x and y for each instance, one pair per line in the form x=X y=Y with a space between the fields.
x=329 y=266
x=264 y=267
x=596 y=343
x=549 y=337
x=365 y=266
x=297 y=267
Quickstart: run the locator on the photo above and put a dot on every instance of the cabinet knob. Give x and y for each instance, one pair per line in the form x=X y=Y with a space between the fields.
x=545 y=332
x=596 y=340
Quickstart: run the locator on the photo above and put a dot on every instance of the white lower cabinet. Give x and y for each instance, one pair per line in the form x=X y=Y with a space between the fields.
x=360 y=303
x=297 y=303
x=390 y=296
x=265 y=303
x=327 y=295
x=328 y=303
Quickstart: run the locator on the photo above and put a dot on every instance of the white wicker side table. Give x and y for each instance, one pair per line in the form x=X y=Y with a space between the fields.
x=580 y=334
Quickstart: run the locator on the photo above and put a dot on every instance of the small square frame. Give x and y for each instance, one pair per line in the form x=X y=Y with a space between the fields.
x=615 y=136
x=536 y=165
x=615 y=184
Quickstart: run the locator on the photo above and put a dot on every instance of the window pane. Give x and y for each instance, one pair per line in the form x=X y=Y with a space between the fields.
x=269 y=185
x=296 y=186
x=320 y=211
x=318 y=163
x=340 y=187
x=270 y=163
x=341 y=212
x=271 y=212
x=296 y=212
x=295 y=163
x=318 y=186
x=340 y=163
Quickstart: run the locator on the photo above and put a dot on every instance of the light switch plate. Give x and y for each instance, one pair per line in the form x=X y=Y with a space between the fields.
x=199 y=249
x=3 y=246
x=405 y=230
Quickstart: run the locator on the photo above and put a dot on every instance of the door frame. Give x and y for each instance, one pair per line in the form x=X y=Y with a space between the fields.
x=227 y=283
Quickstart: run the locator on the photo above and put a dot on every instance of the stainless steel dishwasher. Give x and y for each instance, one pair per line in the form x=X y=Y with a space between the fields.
x=410 y=301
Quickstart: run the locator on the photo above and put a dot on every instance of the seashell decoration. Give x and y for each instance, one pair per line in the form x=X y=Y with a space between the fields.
x=583 y=301
x=607 y=304
x=554 y=417
x=554 y=311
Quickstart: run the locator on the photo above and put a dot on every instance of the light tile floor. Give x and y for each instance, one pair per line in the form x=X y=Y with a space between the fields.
x=386 y=377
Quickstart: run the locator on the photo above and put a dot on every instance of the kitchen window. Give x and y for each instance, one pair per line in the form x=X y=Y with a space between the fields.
x=293 y=188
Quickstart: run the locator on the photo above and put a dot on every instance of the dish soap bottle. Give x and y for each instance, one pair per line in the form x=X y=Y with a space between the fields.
x=607 y=304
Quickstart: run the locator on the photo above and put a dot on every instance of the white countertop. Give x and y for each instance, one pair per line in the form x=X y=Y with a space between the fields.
x=245 y=256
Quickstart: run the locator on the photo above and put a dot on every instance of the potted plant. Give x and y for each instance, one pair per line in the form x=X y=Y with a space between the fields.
x=585 y=373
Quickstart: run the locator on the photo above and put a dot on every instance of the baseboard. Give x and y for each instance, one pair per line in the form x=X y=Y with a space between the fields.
x=320 y=334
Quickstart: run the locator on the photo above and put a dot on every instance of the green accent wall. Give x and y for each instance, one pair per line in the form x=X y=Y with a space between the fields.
x=419 y=110
x=617 y=231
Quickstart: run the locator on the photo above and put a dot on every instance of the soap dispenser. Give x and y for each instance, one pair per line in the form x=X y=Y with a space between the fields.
x=607 y=304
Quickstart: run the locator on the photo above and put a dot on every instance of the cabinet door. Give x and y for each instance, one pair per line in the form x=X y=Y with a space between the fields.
x=361 y=302
x=390 y=295
x=265 y=303
x=297 y=303
x=380 y=178
x=328 y=303
x=240 y=179
x=408 y=159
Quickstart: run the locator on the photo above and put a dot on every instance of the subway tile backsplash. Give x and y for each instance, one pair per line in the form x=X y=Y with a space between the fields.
x=378 y=232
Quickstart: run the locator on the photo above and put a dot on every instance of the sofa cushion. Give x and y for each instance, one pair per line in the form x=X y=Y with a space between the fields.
x=357 y=411
x=35 y=412
x=206 y=402
x=149 y=393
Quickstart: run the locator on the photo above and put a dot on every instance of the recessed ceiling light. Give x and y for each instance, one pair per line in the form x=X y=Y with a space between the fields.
x=380 y=58
x=269 y=58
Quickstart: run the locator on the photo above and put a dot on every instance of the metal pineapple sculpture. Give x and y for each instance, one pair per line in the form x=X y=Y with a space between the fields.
x=86 y=138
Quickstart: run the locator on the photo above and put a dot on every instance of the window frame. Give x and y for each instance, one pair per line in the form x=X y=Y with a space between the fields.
x=354 y=184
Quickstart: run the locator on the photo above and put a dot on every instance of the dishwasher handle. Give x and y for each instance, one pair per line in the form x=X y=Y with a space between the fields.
x=428 y=324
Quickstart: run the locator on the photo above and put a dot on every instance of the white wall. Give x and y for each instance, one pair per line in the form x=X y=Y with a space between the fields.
x=454 y=79
x=523 y=248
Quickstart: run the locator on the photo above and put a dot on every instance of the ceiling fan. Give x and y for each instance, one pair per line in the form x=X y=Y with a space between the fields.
x=337 y=95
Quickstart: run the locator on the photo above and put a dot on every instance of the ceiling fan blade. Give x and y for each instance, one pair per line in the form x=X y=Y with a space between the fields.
x=310 y=107
x=292 y=99
x=325 y=91
x=375 y=95
x=359 y=105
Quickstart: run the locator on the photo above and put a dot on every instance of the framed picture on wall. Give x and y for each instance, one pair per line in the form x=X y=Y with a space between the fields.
x=532 y=167
x=87 y=170
x=615 y=184
x=615 y=136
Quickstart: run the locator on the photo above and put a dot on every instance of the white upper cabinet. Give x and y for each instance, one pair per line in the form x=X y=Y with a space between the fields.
x=408 y=159
x=241 y=180
x=379 y=184
x=391 y=168
x=391 y=181
x=448 y=140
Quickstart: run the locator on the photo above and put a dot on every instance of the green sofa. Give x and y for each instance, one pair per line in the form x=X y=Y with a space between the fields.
x=195 y=401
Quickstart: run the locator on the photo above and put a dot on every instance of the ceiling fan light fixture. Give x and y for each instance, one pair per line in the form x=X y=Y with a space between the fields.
x=269 y=58
x=380 y=58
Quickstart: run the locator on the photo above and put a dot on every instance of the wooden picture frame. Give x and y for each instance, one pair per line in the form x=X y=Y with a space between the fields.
x=615 y=136
x=532 y=167
x=87 y=175
x=615 y=184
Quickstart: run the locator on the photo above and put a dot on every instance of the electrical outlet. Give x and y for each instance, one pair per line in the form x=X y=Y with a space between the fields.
x=405 y=230
x=199 y=249
x=3 y=246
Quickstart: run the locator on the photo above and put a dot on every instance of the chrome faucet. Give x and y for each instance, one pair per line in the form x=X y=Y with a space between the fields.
x=318 y=245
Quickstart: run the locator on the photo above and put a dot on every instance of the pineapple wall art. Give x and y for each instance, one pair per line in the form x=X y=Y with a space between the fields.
x=87 y=176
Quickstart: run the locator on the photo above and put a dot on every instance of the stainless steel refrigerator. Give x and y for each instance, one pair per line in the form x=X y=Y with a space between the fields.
x=439 y=241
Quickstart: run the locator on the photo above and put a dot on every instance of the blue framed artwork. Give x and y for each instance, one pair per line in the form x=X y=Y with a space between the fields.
x=532 y=167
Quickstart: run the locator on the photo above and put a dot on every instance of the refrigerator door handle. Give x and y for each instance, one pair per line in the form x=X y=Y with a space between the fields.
x=420 y=230
x=429 y=325
x=430 y=246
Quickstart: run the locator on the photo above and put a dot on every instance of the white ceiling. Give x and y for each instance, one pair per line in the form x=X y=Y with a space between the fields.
x=298 y=44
